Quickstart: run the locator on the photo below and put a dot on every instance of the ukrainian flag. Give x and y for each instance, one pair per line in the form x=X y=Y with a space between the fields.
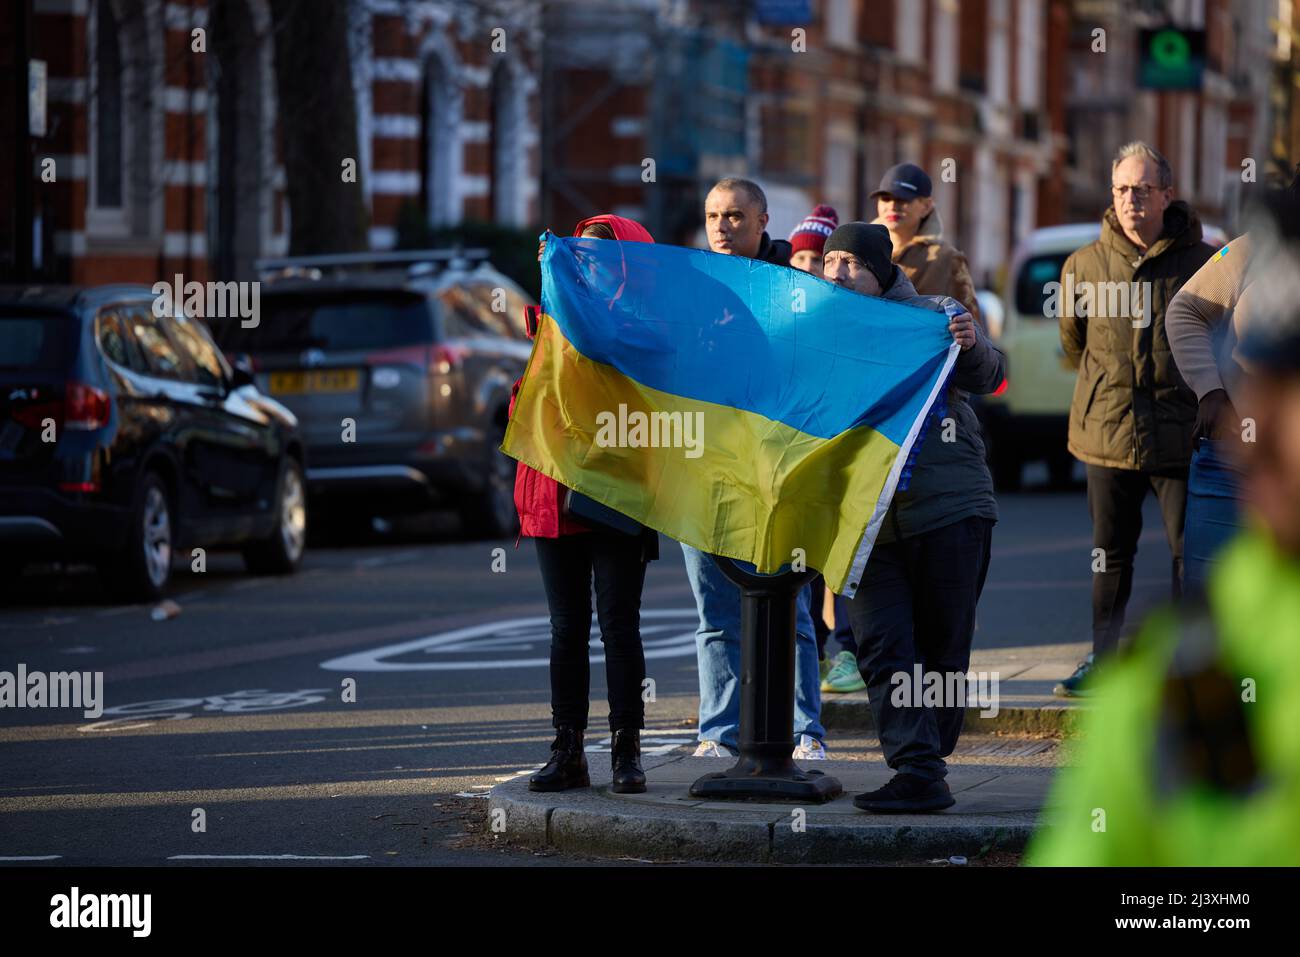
x=750 y=410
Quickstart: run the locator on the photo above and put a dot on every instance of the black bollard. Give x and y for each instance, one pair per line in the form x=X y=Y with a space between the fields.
x=765 y=770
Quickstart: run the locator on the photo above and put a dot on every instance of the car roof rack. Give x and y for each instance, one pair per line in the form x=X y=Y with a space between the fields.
x=413 y=262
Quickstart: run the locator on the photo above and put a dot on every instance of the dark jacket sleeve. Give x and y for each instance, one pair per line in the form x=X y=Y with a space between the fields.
x=982 y=368
x=1074 y=328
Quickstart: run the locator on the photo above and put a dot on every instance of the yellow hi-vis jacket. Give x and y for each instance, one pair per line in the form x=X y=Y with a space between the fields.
x=1106 y=808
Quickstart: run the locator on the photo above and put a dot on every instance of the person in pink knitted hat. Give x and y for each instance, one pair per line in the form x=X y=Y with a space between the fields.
x=809 y=237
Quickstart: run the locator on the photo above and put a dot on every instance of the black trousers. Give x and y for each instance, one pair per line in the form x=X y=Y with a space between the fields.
x=1115 y=499
x=916 y=605
x=569 y=565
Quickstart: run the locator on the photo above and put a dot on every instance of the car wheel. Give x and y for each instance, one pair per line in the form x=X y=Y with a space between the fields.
x=281 y=551
x=142 y=570
x=491 y=513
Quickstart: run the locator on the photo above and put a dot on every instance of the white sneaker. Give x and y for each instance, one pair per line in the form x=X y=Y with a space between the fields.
x=808 y=748
x=712 y=749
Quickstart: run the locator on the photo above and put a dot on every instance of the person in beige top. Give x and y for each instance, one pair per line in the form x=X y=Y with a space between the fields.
x=936 y=267
x=1205 y=321
x=1206 y=310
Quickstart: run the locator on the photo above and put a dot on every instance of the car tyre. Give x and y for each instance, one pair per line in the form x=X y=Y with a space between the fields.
x=142 y=569
x=491 y=513
x=280 y=553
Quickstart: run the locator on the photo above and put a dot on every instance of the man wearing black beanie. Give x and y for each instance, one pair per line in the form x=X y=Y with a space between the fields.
x=870 y=244
x=916 y=602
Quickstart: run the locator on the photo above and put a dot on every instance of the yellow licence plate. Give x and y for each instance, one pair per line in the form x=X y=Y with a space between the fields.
x=320 y=380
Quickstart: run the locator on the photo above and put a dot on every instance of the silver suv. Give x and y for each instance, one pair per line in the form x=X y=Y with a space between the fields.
x=399 y=368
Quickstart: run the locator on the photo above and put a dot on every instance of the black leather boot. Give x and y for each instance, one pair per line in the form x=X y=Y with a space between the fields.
x=567 y=767
x=625 y=759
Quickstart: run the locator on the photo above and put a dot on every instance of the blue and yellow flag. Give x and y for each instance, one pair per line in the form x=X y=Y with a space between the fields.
x=750 y=410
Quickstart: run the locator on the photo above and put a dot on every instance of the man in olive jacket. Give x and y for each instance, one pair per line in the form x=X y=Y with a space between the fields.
x=1132 y=415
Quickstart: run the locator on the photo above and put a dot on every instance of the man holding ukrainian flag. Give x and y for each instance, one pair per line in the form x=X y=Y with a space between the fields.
x=813 y=400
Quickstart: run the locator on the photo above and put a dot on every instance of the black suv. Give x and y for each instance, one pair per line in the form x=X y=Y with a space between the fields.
x=399 y=367
x=126 y=437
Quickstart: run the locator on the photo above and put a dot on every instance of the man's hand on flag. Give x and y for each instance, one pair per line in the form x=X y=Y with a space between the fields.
x=962 y=327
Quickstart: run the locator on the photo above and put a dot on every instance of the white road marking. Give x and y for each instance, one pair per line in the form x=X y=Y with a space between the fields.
x=176 y=709
x=482 y=639
x=110 y=726
x=652 y=743
x=35 y=857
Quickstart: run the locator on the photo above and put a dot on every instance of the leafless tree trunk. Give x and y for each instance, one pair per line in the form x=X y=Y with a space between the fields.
x=318 y=126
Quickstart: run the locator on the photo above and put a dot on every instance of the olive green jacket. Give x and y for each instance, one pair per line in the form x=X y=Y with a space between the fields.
x=1131 y=407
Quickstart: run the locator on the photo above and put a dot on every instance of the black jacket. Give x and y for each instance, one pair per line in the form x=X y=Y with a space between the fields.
x=950 y=480
x=775 y=251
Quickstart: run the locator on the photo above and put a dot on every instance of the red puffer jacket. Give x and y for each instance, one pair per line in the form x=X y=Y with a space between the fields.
x=538 y=497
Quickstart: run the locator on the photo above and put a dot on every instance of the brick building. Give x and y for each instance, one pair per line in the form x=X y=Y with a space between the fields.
x=167 y=159
x=816 y=98
x=118 y=181
x=449 y=123
x=813 y=99
x=1206 y=135
x=524 y=112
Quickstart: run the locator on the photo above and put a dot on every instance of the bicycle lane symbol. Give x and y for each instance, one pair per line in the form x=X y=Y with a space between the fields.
x=142 y=714
x=669 y=633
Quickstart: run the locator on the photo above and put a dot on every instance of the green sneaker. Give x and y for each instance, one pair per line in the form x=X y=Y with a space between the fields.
x=844 y=676
x=1076 y=686
x=824 y=666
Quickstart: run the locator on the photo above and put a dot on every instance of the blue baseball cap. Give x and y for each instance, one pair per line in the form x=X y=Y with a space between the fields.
x=904 y=181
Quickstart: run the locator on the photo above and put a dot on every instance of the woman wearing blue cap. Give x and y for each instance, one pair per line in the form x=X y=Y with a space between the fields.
x=905 y=206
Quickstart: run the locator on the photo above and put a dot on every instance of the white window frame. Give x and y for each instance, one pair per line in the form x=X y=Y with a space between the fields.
x=104 y=220
x=134 y=219
x=909 y=30
x=842 y=23
x=443 y=121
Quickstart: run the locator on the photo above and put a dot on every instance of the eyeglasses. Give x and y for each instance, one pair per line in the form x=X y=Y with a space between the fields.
x=1139 y=190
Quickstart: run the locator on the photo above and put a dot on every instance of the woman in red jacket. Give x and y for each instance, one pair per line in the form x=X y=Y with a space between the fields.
x=572 y=555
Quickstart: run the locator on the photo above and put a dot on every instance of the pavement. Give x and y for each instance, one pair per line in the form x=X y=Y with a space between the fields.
x=1024 y=677
x=1000 y=776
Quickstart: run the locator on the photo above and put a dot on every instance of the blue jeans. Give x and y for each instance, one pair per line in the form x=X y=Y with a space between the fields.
x=1213 y=513
x=717 y=645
